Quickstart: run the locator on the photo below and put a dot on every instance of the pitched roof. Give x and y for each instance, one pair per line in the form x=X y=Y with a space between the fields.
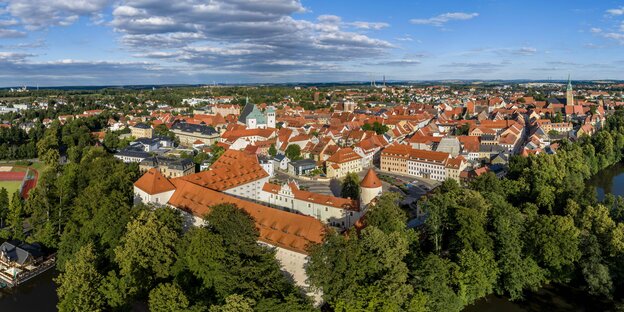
x=370 y=180
x=153 y=182
x=276 y=227
x=344 y=155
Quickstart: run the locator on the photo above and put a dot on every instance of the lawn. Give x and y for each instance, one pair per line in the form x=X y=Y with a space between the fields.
x=10 y=186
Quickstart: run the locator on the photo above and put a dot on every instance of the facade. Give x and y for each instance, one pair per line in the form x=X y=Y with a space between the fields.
x=253 y=118
x=169 y=167
x=345 y=160
x=433 y=165
x=191 y=133
x=334 y=211
x=370 y=188
x=141 y=130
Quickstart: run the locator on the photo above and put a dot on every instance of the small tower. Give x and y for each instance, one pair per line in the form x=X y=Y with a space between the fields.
x=569 y=93
x=370 y=187
x=270 y=117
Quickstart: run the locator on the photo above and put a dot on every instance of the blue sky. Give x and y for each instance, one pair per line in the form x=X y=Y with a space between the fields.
x=95 y=42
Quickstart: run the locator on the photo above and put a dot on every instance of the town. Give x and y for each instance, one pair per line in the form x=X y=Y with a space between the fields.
x=302 y=165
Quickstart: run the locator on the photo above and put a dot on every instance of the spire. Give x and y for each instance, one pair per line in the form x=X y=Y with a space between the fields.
x=569 y=83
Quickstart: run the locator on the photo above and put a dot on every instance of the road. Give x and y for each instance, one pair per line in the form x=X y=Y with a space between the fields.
x=418 y=186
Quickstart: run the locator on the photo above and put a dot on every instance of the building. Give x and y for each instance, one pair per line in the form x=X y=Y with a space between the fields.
x=569 y=93
x=370 y=188
x=433 y=165
x=290 y=234
x=169 y=167
x=132 y=154
x=141 y=130
x=191 y=133
x=334 y=211
x=20 y=262
x=345 y=160
x=394 y=158
x=301 y=167
x=253 y=118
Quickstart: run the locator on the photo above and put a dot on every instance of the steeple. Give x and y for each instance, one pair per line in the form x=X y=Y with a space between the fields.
x=569 y=93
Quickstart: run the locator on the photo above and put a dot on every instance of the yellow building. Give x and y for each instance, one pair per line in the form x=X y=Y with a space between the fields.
x=345 y=160
x=141 y=130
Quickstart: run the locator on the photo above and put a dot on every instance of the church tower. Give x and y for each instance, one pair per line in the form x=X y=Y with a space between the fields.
x=270 y=116
x=569 y=93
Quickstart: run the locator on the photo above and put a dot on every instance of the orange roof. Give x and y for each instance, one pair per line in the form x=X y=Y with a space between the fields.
x=153 y=182
x=344 y=155
x=276 y=227
x=429 y=155
x=321 y=199
x=370 y=180
x=232 y=169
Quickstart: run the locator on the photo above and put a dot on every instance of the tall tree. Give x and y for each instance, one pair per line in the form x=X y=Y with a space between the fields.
x=293 y=152
x=167 y=297
x=379 y=283
x=16 y=220
x=79 y=283
x=4 y=206
x=146 y=252
x=351 y=186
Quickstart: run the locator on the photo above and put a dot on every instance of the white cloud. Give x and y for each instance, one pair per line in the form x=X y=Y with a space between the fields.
x=595 y=30
x=442 y=19
x=618 y=11
x=39 y=14
x=369 y=25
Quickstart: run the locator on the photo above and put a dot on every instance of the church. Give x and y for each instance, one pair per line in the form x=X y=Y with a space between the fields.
x=253 y=118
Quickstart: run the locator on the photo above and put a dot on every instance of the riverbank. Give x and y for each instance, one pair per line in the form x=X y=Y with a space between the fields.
x=38 y=294
x=552 y=298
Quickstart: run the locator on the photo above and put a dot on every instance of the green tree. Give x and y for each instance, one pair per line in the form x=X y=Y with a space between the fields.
x=235 y=303
x=379 y=283
x=272 y=150
x=4 y=206
x=146 y=252
x=167 y=297
x=555 y=243
x=386 y=214
x=79 y=283
x=293 y=152
x=15 y=220
x=351 y=186
x=438 y=278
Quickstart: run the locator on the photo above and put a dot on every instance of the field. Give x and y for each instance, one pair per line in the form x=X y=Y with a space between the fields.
x=10 y=186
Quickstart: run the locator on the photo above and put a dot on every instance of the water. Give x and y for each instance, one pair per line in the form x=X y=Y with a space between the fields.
x=610 y=180
x=37 y=294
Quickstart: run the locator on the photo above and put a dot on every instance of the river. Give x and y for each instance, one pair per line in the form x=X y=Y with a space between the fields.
x=37 y=294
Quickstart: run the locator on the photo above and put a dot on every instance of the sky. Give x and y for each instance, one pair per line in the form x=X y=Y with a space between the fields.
x=123 y=42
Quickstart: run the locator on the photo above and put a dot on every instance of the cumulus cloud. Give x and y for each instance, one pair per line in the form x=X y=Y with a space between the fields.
x=244 y=36
x=39 y=14
x=617 y=11
x=442 y=19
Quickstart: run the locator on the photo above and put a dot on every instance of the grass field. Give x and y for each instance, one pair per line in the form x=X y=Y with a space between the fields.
x=10 y=186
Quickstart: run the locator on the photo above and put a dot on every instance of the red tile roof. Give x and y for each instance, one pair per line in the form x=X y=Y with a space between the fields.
x=153 y=182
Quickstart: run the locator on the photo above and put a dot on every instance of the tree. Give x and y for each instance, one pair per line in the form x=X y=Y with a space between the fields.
x=293 y=152
x=386 y=214
x=351 y=186
x=15 y=220
x=146 y=251
x=216 y=151
x=79 y=283
x=4 y=206
x=379 y=283
x=438 y=278
x=272 y=150
x=167 y=297
x=555 y=243
x=235 y=303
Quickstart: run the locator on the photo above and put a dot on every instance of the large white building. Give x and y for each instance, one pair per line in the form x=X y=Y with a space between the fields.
x=290 y=234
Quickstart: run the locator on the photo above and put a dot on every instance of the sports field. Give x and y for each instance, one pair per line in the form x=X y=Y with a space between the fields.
x=10 y=186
